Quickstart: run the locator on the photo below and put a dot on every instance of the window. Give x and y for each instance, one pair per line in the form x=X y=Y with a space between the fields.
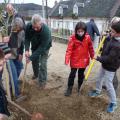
x=61 y=10
x=54 y=24
x=88 y=1
x=81 y=4
x=75 y=9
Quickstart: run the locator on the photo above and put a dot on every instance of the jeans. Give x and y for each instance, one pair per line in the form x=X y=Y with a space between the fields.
x=73 y=74
x=107 y=77
x=115 y=82
x=14 y=68
x=19 y=66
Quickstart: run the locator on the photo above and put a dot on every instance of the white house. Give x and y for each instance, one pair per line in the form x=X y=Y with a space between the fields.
x=66 y=14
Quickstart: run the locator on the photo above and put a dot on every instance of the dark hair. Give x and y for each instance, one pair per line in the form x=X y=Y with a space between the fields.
x=1 y=54
x=80 y=25
x=92 y=19
x=116 y=26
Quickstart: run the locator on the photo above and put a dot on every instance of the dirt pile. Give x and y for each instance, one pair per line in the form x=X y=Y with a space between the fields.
x=53 y=104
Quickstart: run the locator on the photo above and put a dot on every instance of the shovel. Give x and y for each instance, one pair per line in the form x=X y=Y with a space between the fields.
x=93 y=61
x=23 y=79
x=35 y=116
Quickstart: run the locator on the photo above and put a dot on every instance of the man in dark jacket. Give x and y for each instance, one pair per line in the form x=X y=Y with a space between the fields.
x=39 y=35
x=110 y=60
x=92 y=29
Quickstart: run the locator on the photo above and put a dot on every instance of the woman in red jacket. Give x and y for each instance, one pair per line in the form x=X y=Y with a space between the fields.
x=78 y=53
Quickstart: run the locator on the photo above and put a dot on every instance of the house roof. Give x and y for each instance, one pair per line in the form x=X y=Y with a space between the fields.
x=28 y=6
x=94 y=8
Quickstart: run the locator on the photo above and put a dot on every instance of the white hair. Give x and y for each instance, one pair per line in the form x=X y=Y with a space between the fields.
x=36 y=19
x=17 y=22
x=115 y=20
x=10 y=6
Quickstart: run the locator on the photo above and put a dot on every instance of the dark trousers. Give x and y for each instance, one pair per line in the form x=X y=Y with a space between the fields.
x=3 y=102
x=73 y=74
x=35 y=66
x=40 y=67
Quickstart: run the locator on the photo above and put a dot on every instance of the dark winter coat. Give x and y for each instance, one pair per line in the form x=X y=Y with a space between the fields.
x=92 y=29
x=40 y=40
x=3 y=102
x=110 y=57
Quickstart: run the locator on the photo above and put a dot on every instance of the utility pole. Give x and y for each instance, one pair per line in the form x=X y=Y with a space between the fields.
x=43 y=10
x=47 y=12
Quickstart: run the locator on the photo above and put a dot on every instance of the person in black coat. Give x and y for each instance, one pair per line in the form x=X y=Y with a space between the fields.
x=110 y=62
x=92 y=29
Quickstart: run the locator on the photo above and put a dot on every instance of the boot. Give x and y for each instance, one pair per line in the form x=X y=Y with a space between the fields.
x=78 y=90
x=68 y=91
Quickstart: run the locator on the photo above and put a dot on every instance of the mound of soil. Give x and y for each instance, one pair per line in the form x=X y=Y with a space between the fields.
x=52 y=103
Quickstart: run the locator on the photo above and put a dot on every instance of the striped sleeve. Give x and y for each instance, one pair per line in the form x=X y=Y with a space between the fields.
x=5 y=48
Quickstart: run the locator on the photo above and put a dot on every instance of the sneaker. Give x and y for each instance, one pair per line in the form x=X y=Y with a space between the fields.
x=94 y=93
x=111 y=107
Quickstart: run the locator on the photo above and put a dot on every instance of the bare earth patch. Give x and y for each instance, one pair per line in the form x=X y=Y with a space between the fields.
x=52 y=103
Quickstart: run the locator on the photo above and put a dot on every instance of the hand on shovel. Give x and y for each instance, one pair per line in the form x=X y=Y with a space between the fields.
x=37 y=116
x=34 y=116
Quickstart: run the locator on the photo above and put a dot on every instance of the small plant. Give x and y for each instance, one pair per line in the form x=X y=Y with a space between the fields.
x=3 y=21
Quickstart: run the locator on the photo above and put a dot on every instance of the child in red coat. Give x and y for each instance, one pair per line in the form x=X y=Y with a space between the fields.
x=79 y=52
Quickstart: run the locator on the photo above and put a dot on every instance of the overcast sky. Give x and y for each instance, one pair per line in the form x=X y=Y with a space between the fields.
x=50 y=2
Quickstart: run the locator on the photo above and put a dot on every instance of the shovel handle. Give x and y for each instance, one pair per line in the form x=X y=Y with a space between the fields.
x=19 y=107
x=93 y=61
x=23 y=85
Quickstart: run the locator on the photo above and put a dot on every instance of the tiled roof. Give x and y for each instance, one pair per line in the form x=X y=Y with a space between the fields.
x=92 y=8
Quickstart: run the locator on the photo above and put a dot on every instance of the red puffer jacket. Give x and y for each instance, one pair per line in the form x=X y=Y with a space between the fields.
x=78 y=53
